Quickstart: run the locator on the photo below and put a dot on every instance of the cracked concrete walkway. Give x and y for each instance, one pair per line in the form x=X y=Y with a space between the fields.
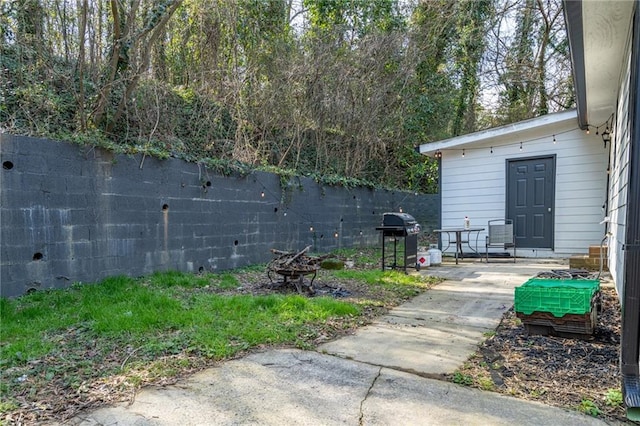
x=381 y=375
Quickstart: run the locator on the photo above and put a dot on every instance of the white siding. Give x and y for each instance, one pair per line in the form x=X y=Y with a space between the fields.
x=475 y=185
x=618 y=184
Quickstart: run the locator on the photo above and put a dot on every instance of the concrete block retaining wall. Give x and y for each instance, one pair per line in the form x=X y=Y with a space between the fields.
x=73 y=213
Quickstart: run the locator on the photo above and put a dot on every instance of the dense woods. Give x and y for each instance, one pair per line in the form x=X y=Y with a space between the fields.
x=340 y=90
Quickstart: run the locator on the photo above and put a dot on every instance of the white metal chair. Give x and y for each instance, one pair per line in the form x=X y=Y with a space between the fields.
x=501 y=235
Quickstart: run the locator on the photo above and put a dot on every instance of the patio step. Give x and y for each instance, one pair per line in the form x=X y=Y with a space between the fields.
x=591 y=261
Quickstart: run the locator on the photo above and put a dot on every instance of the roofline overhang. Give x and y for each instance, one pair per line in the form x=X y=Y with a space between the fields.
x=564 y=119
x=575 y=34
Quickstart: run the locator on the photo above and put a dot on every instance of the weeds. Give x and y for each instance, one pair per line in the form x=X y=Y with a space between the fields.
x=613 y=398
x=363 y=257
x=537 y=392
x=486 y=383
x=462 y=379
x=589 y=407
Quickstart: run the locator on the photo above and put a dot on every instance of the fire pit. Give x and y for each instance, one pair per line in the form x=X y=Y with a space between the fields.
x=294 y=266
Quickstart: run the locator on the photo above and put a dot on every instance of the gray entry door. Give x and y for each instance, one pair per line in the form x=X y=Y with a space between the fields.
x=530 y=195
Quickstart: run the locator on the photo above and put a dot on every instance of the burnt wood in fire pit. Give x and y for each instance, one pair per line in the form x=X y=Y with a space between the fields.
x=294 y=266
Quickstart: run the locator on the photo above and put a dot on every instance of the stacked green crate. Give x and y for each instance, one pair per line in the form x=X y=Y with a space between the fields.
x=560 y=297
x=561 y=305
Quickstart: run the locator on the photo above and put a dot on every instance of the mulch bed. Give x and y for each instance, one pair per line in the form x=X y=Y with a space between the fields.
x=577 y=374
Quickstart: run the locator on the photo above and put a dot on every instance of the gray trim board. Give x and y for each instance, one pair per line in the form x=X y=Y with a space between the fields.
x=573 y=21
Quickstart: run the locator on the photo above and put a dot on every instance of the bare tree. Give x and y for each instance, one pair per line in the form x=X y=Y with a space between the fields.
x=130 y=52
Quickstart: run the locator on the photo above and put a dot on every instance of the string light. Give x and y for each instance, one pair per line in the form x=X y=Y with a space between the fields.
x=305 y=220
x=438 y=153
x=606 y=137
x=608 y=129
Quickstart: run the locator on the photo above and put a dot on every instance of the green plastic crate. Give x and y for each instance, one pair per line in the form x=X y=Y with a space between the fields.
x=559 y=297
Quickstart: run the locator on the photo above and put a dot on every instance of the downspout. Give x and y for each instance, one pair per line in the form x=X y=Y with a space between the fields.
x=440 y=194
x=605 y=208
x=630 y=344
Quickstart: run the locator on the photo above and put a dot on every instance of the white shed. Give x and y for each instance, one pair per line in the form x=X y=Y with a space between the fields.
x=546 y=174
x=589 y=180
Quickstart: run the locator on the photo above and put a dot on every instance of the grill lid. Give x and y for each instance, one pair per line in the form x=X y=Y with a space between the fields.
x=398 y=219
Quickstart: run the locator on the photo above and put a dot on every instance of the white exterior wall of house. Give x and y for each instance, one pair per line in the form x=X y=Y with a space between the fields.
x=475 y=185
x=619 y=159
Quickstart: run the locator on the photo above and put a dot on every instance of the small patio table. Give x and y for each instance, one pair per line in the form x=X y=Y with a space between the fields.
x=458 y=232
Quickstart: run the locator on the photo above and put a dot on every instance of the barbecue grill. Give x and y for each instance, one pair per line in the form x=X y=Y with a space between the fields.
x=399 y=241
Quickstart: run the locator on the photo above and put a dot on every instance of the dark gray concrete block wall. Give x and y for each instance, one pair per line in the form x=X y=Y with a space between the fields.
x=77 y=214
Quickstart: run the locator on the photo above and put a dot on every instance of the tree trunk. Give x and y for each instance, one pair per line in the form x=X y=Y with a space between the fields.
x=107 y=86
x=144 y=61
x=82 y=6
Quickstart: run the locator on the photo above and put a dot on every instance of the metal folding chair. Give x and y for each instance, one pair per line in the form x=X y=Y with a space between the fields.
x=501 y=235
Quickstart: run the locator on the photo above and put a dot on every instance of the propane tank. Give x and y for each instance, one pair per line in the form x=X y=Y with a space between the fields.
x=435 y=256
x=424 y=260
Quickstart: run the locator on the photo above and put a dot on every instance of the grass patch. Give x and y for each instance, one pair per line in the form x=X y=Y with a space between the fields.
x=150 y=310
x=123 y=333
x=399 y=283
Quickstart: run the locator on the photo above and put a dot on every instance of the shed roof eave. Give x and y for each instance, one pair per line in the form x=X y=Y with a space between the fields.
x=575 y=35
x=568 y=118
